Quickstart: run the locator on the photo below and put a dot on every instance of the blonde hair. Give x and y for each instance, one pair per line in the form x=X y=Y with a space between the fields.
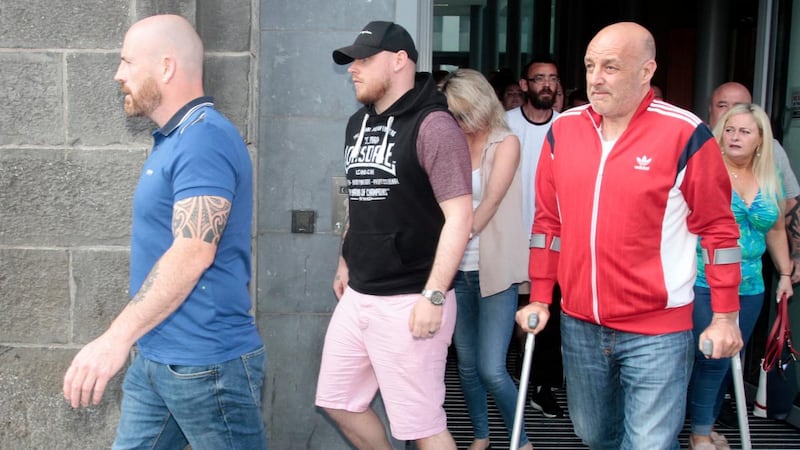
x=764 y=160
x=473 y=101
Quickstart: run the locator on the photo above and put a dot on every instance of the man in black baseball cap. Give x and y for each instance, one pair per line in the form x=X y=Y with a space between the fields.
x=409 y=217
x=375 y=37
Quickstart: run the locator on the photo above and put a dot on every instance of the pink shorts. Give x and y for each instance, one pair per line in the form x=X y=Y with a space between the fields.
x=368 y=347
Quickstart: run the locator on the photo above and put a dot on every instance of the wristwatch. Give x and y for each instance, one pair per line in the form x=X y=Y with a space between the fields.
x=436 y=297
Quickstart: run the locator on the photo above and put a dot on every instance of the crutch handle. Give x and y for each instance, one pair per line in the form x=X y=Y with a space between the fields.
x=533 y=320
x=708 y=347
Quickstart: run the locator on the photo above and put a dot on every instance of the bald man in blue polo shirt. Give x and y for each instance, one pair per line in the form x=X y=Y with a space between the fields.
x=197 y=375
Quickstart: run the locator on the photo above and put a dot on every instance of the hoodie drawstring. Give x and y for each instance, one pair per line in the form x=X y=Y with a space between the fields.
x=360 y=138
x=386 y=134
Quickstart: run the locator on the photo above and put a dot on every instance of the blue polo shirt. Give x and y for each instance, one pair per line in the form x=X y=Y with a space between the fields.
x=198 y=152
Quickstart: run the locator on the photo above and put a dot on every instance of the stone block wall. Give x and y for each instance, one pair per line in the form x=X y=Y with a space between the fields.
x=69 y=161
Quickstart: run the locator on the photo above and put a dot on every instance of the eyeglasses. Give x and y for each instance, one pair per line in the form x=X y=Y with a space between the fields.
x=541 y=79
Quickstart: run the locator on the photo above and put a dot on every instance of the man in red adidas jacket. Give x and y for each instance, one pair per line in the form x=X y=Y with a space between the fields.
x=623 y=188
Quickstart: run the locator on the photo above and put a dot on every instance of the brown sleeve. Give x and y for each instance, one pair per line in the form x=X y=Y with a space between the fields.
x=443 y=153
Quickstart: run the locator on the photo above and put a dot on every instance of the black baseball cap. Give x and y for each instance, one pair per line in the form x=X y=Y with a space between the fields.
x=376 y=37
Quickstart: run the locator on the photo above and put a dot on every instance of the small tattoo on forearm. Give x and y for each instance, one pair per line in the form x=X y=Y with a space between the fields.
x=146 y=285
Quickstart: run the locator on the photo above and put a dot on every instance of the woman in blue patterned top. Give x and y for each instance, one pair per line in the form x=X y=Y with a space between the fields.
x=757 y=201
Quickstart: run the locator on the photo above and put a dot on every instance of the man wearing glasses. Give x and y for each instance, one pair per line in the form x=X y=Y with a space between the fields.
x=531 y=122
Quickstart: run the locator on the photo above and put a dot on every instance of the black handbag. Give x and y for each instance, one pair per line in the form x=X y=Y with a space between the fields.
x=777 y=384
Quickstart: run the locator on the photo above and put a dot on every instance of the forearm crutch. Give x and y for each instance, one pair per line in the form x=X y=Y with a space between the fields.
x=738 y=389
x=533 y=320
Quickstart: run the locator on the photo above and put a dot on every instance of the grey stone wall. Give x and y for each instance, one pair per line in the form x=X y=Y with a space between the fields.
x=69 y=160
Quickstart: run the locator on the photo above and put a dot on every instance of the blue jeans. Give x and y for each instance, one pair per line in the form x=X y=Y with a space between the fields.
x=483 y=331
x=210 y=407
x=711 y=377
x=625 y=390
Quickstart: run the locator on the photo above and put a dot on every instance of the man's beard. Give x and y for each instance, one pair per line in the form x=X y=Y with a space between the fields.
x=371 y=94
x=145 y=101
x=540 y=103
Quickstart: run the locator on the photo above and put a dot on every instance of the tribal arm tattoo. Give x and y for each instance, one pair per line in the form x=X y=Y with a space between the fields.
x=201 y=218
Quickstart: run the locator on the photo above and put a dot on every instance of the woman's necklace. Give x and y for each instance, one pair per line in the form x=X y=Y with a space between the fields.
x=733 y=173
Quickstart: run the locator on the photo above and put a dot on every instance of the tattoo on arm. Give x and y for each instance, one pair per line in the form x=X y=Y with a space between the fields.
x=201 y=217
x=146 y=285
x=793 y=229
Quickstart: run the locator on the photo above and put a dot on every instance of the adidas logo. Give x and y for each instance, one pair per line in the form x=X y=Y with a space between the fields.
x=643 y=163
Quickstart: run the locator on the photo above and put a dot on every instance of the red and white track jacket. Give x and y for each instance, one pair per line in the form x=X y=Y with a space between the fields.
x=619 y=233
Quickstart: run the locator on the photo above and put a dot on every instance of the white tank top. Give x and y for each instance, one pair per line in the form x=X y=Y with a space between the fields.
x=470 y=260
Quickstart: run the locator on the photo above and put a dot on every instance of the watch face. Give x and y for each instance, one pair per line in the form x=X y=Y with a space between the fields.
x=437 y=297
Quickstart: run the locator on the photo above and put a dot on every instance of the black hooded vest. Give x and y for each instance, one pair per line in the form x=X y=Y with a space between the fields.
x=395 y=220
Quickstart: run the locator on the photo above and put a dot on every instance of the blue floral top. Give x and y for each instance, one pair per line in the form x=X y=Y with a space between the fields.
x=754 y=223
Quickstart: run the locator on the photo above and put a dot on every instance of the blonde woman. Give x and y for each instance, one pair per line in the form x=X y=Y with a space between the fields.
x=757 y=201
x=496 y=258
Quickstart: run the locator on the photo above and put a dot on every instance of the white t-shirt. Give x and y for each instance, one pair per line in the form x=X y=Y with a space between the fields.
x=531 y=136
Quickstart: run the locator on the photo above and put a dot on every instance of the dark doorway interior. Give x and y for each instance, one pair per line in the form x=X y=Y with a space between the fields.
x=496 y=34
x=700 y=44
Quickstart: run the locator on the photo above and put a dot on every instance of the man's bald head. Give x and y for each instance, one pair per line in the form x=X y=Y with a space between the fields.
x=724 y=97
x=172 y=36
x=631 y=37
x=620 y=62
x=161 y=67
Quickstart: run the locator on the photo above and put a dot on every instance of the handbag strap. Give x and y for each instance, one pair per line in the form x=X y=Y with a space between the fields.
x=779 y=336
